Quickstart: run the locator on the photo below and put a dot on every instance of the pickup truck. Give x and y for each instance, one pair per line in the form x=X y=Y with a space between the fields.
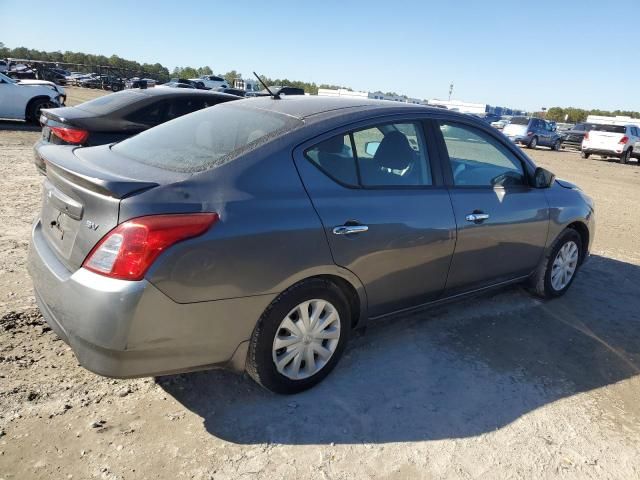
x=619 y=141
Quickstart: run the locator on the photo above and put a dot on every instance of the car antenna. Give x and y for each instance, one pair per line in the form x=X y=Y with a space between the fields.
x=275 y=96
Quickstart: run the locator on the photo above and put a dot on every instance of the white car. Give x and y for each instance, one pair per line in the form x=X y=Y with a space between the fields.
x=211 y=81
x=620 y=141
x=24 y=99
x=500 y=124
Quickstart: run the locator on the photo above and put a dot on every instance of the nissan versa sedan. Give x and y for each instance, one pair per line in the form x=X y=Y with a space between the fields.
x=260 y=233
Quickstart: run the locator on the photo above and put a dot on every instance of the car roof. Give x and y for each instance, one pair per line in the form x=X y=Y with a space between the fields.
x=169 y=92
x=305 y=106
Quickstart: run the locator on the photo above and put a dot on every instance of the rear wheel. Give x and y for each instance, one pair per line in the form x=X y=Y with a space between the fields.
x=533 y=143
x=626 y=155
x=558 y=269
x=300 y=337
x=584 y=155
x=36 y=107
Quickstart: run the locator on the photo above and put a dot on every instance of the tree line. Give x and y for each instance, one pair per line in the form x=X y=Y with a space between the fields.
x=156 y=70
x=575 y=115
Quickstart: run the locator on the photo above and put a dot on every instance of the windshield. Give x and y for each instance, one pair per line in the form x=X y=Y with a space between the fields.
x=609 y=128
x=7 y=79
x=205 y=139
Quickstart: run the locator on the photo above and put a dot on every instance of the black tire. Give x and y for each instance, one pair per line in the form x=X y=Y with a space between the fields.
x=540 y=282
x=556 y=146
x=584 y=155
x=260 y=364
x=35 y=108
x=533 y=143
x=626 y=155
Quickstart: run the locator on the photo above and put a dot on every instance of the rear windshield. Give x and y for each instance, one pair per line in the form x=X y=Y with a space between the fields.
x=111 y=103
x=519 y=121
x=205 y=139
x=609 y=128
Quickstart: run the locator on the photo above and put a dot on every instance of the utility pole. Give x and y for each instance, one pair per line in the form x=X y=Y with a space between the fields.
x=450 y=90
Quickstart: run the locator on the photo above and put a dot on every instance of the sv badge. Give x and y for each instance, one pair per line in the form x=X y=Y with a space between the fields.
x=91 y=225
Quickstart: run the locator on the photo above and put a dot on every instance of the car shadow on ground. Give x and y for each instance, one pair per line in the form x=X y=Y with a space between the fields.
x=450 y=372
x=15 y=126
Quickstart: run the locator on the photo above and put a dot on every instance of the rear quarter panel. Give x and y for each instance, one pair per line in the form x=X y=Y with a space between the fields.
x=268 y=236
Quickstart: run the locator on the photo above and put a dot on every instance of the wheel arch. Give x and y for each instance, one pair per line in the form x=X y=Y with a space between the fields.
x=583 y=231
x=27 y=110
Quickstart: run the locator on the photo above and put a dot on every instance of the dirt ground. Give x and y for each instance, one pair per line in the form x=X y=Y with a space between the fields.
x=503 y=386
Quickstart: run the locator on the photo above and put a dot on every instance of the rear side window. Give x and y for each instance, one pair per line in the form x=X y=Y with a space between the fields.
x=519 y=121
x=153 y=114
x=207 y=138
x=388 y=155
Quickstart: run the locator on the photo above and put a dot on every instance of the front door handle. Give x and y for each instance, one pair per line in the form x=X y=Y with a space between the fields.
x=477 y=217
x=349 y=229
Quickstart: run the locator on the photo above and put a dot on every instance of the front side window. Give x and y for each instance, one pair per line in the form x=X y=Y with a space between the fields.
x=479 y=160
x=389 y=155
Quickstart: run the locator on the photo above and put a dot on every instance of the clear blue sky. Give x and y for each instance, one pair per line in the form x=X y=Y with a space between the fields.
x=529 y=54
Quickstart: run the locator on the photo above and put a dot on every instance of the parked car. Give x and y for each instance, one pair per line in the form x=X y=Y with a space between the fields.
x=572 y=138
x=117 y=116
x=4 y=66
x=211 y=81
x=279 y=90
x=178 y=85
x=233 y=91
x=137 y=82
x=258 y=234
x=618 y=141
x=24 y=99
x=500 y=124
x=533 y=132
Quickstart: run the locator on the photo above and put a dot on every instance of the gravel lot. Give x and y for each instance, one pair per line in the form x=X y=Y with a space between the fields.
x=503 y=386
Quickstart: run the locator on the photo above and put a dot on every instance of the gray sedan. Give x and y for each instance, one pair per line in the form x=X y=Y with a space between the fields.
x=258 y=234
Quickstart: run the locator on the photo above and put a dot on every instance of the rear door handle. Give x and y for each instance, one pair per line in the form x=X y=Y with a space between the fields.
x=477 y=217
x=349 y=229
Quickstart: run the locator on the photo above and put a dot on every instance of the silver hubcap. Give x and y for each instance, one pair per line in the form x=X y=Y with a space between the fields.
x=564 y=265
x=306 y=339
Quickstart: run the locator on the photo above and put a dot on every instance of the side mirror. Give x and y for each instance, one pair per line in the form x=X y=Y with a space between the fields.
x=543 y=178
x=371 y=148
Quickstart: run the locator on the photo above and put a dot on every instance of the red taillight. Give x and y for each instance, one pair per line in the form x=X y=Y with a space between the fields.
x=624 y=140
x=127 y=251
x=71 y=135
x=586 y=136
x=529 y=134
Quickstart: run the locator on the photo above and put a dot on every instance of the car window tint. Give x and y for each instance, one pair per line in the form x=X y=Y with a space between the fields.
x=182 y=106
x=392 y=155
x=153 y=114
x=478 y=159
x=335 y=157
x=579 y=128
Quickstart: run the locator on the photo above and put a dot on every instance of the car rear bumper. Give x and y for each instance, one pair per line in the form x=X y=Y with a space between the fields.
x=601 y=151
x=122 y=329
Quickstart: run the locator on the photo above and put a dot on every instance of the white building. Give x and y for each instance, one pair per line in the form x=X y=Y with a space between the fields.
x=617 y=120
x=342 y=92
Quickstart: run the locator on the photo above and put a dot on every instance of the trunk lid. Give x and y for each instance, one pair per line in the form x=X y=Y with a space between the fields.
x=81 y=196
x=608 y=140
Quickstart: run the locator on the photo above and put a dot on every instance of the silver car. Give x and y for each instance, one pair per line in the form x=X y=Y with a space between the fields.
x=258 y=234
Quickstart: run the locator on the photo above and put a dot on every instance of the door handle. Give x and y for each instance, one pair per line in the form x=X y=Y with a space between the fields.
x=477 y=217
x=349 y=229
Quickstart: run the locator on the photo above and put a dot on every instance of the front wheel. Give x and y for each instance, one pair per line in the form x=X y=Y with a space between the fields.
x=558 y=269
x=36 y=107
x=533 y=143
x=300 y=337
x=556 y=145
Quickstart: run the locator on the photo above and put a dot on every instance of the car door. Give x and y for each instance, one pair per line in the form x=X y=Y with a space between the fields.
x=384 y=208
x=12 y=100
x=502 y=222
